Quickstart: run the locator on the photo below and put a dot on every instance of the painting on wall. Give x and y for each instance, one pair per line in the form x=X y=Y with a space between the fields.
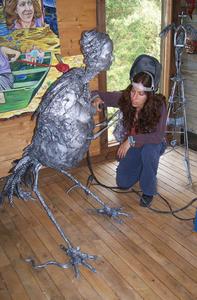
x=30 y=58
x=20 y=14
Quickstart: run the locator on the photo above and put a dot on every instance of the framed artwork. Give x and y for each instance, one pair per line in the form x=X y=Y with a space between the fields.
x=29 y=54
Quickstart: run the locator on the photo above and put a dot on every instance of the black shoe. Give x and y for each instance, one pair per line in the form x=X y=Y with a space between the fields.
x=146 y=200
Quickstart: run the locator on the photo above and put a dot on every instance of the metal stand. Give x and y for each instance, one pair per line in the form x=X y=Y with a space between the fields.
x=176 y=118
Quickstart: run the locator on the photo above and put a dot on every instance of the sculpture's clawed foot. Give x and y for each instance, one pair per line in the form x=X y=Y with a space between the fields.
x=112 y=212
x=76 y=258
x=105 y=210
x=79 y=258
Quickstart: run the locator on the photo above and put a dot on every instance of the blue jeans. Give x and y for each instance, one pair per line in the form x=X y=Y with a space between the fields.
x=140 y=164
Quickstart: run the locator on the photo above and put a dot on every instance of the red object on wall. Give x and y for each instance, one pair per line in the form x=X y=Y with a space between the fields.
x=61 y=67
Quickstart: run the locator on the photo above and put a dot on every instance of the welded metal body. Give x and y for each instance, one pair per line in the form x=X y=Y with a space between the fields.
x=62 y=136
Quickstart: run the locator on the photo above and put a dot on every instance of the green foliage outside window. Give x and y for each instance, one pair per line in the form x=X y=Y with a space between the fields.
x=134 y=27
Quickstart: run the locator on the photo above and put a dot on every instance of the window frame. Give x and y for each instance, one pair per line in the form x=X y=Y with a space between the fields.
x=166 y=54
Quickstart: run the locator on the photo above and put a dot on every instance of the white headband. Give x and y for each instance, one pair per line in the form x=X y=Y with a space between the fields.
x=139 y=86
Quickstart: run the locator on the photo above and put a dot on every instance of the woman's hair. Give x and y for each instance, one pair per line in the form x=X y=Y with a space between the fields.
x=11 y=15
x=149 y=115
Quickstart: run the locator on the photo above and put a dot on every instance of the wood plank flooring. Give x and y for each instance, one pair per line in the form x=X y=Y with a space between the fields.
x=149 y=256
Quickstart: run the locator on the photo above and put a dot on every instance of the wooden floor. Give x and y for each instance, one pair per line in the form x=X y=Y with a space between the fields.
x=150 y=256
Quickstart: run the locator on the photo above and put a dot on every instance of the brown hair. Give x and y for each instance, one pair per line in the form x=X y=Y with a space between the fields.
x=11 y=15
x=149 y=115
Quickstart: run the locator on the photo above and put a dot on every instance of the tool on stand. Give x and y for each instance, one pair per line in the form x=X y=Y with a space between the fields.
x=177 y=119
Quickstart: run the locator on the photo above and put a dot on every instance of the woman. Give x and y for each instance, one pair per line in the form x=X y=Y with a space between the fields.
x=142 y=130
x=23 y=14
x=7 y=55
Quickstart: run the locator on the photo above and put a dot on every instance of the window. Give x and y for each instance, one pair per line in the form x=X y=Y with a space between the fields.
x=134 y=26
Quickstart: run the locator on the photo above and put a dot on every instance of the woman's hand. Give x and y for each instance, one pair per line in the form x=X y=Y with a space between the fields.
x=122 y=150
x=98 y=104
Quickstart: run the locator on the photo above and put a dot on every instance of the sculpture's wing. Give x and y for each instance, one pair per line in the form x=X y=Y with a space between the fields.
x=61 y=88
x=166 y=29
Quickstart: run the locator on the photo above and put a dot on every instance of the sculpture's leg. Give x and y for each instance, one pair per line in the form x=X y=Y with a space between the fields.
x=186 y=142
x=76 y=256
x=113 y=212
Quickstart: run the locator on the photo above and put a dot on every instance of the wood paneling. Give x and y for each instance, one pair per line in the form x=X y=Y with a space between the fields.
x=189 y=71
x=15 y=135
x=74 y=17
x=189 y=74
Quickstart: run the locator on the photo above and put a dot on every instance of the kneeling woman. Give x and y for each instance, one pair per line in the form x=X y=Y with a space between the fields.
x=142 y=135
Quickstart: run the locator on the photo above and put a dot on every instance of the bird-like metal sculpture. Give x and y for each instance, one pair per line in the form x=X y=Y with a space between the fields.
x=62 y=136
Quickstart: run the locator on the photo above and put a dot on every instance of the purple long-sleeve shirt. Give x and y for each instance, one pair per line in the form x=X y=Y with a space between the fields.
x=111 y=99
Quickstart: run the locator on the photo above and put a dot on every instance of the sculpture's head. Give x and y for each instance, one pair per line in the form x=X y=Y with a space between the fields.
x=97 y=48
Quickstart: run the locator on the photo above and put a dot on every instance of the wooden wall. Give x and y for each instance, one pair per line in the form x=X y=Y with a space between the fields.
x=189 y=72
x=74 y=17
x=170 y=11
x=15 y=134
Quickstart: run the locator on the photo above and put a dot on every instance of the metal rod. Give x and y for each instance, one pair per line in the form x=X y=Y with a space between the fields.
x=47 y=209
x=87 y=190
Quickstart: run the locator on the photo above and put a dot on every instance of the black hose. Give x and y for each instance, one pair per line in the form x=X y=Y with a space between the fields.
x=92 y=177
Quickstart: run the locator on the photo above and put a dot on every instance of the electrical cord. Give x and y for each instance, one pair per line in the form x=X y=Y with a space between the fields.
x=92 y=177
x=117 y=189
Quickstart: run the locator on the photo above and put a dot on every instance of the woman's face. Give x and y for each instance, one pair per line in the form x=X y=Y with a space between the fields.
x=25 y=10
x=138 y=98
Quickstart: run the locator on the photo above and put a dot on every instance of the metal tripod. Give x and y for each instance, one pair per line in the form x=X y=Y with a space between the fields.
x=176 y=118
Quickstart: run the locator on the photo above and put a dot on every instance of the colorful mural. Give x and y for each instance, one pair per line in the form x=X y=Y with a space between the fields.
x=30 y=58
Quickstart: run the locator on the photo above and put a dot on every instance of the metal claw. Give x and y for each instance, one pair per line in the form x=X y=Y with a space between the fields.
x=89 y=267
x=48 y=263
x=79 y=258
x=112 y=212
x=76 y=258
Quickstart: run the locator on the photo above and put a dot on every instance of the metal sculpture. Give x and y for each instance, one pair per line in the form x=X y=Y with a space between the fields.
x=62 y=136
x=177 y=119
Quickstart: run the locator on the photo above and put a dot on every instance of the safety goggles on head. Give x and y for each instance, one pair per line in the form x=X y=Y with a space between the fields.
x=150 y=65
x=139 y=85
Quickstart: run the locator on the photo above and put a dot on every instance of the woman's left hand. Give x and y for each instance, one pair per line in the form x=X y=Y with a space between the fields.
x=122 y=150
x=98 y=103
